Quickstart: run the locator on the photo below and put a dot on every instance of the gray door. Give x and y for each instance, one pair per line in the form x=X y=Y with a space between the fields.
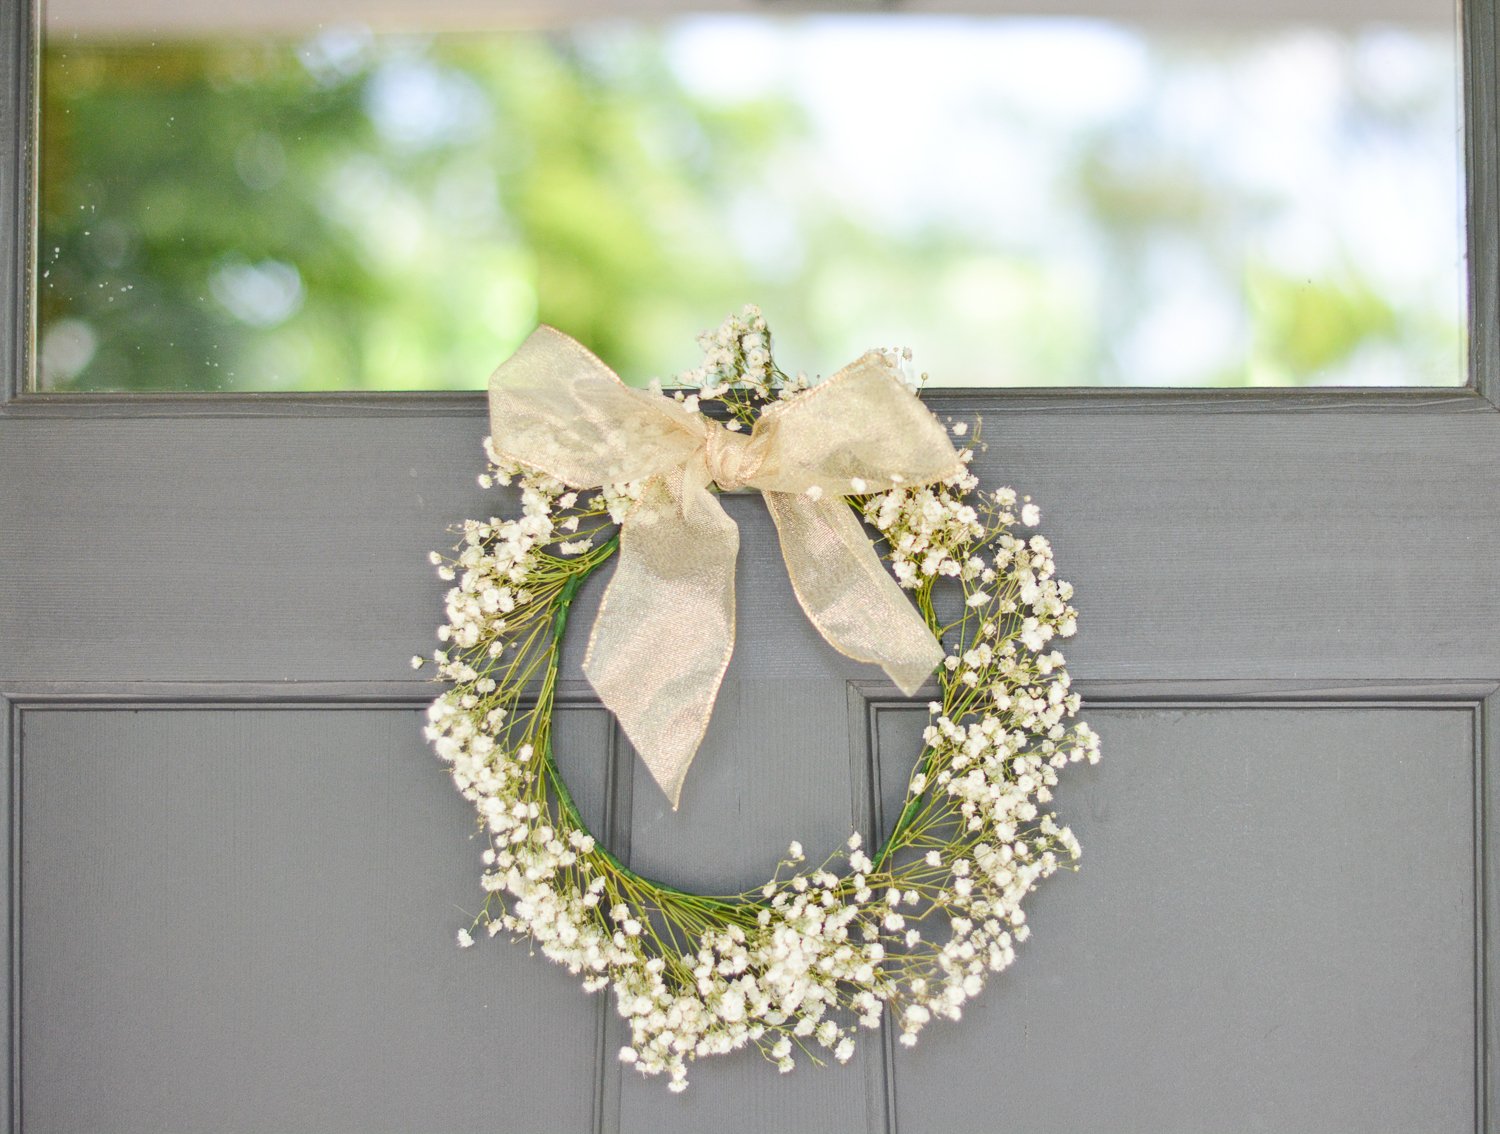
x=235 y=872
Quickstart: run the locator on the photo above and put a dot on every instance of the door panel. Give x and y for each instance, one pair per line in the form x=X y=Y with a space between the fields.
x=243 y=919
x=1272 y=929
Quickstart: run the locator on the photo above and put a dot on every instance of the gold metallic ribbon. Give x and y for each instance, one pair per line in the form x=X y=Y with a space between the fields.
x=665 y=629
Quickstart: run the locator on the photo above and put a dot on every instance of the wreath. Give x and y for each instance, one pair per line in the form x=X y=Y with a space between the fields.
x=911 y=927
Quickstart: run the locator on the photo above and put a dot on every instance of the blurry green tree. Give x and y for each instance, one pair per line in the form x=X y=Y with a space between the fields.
x=386 y=212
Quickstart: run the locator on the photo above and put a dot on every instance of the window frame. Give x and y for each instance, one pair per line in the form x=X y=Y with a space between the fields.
x=1479 y=68
x=1479 y=48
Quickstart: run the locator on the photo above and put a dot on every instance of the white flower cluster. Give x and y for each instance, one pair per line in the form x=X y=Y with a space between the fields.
x=910 y=930
x=737 y=353
x=931 y=529
x=737 y=366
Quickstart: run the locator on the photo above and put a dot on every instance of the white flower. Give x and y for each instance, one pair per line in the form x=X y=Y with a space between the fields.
x=732 y=1006
x=1031 y=515
x=465 y=939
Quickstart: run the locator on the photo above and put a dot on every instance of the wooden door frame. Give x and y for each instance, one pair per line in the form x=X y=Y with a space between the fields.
x=1480 y=55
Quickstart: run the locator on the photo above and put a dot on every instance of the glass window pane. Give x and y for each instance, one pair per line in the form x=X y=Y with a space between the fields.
x=1024 y=202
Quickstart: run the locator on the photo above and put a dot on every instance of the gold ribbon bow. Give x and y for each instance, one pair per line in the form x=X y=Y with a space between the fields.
x=665 y=629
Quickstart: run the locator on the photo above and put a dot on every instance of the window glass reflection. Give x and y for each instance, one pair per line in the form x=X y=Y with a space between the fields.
x=1024 y=202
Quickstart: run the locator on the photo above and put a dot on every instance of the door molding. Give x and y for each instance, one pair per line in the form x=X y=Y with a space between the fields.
x=868 y=699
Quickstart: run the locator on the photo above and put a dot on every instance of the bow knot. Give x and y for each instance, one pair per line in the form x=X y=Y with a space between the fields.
x=727 y=455
x=665 y=628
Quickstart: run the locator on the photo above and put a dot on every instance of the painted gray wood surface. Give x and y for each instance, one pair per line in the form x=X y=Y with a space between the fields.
x=1272 y=930
x=1341 y=544
x=239 y=871
x=244 y=919
x=241 y=919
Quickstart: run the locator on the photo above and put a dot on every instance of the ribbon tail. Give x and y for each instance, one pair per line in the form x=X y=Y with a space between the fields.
x=846 y=591
x=665 y=629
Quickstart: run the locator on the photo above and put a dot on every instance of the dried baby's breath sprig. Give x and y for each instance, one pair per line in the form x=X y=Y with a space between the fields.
x=912 y=927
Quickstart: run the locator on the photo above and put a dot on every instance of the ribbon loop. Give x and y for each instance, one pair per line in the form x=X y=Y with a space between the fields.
x=666 y=626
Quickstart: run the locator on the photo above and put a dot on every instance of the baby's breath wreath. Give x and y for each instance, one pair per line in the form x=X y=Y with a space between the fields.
x=911 y=927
